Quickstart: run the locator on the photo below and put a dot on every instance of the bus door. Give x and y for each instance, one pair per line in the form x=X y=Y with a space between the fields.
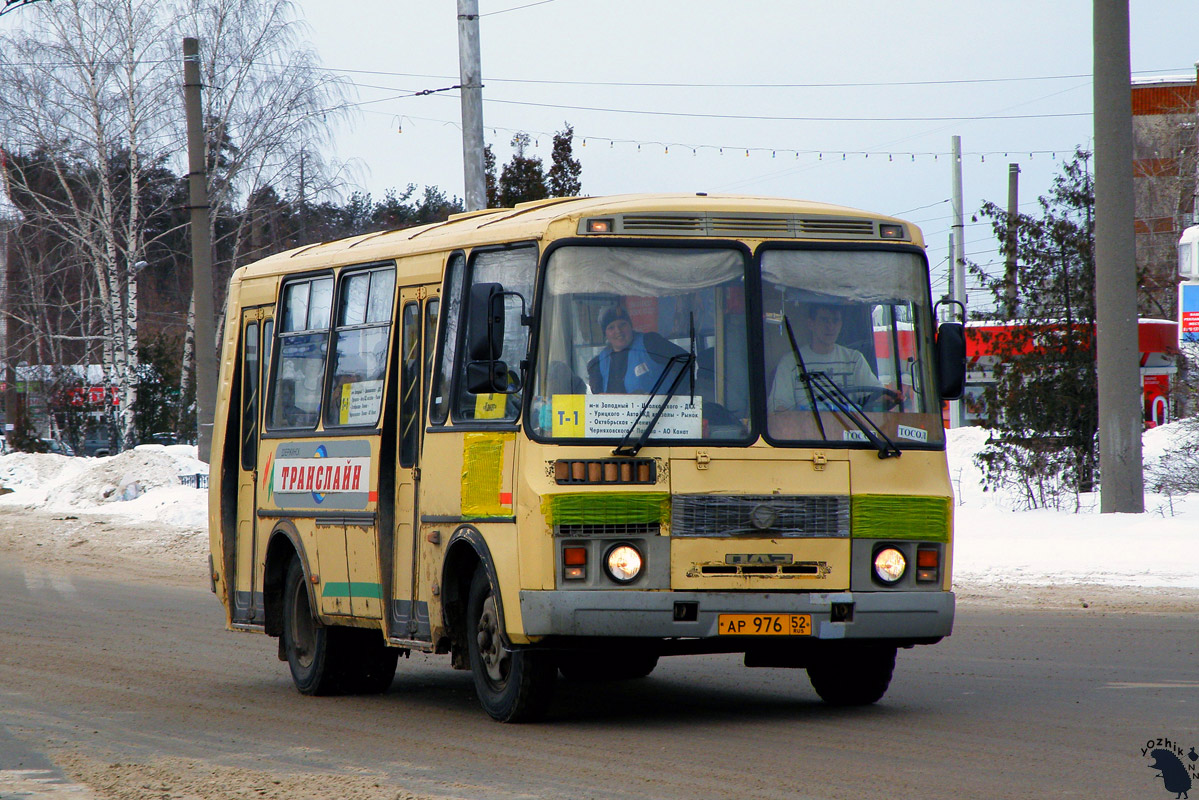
x=256 y=330
x=418 y=321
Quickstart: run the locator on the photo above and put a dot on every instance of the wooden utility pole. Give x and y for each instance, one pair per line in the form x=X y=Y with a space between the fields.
x=201 y=232
x=1122 y=482
x=471 y=91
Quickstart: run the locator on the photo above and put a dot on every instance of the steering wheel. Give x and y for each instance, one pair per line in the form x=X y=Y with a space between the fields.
x=886 y=399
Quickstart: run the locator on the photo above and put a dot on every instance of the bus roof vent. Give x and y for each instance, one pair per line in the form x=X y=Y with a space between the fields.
x=750 y=226
x=661 y=223
x=837 y=227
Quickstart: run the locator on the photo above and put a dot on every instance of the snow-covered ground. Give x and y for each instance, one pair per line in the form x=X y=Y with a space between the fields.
x=996 y=544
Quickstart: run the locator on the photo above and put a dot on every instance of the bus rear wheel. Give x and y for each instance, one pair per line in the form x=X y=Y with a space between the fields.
x=513 y=684
x=604 y=666
x=328 y=660
x=853 y=674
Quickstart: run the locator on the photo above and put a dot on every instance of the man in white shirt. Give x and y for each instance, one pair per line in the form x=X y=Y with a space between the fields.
x=846 y=366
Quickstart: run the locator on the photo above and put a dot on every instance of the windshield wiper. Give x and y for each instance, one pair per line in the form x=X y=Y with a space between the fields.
x=830 y=391
x=624 y=449
x=805 y=376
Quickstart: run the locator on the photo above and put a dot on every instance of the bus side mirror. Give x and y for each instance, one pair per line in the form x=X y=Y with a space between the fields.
x=485 y=331
x=490 y=377
x=951 y=359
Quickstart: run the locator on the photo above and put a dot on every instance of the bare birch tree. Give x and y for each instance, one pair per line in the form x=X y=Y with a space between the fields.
x=85 y=87
x=90 y=95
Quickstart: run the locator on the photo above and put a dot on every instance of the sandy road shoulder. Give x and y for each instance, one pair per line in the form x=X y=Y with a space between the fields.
x=98 y=545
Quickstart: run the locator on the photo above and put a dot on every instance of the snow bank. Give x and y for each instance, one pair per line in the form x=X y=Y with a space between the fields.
x=139 y=485
x=995 y=545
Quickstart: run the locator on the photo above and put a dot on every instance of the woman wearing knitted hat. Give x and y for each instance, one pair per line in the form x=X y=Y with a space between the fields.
x=630 y=362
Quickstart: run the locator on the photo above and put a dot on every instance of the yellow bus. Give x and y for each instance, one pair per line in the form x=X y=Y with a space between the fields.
x=575 y=436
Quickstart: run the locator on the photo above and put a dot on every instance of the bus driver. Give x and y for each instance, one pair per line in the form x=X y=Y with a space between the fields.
x=630 y=362
x=847 y=367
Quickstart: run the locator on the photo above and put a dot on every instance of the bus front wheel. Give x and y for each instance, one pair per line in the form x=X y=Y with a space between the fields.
x=513 y=685
x=853 y=674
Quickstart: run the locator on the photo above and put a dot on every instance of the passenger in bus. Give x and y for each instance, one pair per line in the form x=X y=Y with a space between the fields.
x=292 y=416
x=847 y=367
x=630 y=362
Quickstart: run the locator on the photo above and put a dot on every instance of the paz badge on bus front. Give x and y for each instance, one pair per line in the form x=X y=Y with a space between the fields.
x=759 y=558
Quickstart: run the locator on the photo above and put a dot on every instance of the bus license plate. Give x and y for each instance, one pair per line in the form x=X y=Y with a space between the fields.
x=764 y=625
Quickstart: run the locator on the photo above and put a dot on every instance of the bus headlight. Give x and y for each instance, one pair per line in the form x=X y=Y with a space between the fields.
x=623 y=563
x=889 y=565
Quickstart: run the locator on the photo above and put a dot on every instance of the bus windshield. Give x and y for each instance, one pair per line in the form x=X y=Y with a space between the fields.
x=848 y=325
x=624 y=329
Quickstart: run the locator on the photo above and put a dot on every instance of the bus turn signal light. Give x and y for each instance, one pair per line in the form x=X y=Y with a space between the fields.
x=574 y=563
x=928 y=563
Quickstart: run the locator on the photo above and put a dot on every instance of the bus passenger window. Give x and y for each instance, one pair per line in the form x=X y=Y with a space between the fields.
x=410 y=365
x=295 y=399
x=360 y=348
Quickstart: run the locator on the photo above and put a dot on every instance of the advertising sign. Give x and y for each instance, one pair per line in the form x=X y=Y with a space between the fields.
x=1188 y=304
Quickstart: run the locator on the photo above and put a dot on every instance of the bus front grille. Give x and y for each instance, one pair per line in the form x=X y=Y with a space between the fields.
x=610 y=531
x=764 y=515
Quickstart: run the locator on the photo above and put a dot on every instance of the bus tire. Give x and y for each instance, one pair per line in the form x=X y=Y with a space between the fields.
x=315 y=652
x=604 y=666
x=513 y=684
x=853 y=674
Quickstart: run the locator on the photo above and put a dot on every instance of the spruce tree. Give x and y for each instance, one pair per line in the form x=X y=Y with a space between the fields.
x=1044 y=402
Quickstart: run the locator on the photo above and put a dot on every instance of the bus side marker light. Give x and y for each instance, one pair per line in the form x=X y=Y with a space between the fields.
x=599 y=226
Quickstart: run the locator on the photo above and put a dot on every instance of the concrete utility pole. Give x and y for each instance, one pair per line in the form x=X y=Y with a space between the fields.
x=959 y=257
x=1122 y=483
x=1010 y=267
x=470 y=74
x=197 y=184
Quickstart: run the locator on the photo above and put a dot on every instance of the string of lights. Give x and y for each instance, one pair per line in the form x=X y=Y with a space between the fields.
x=694 y=149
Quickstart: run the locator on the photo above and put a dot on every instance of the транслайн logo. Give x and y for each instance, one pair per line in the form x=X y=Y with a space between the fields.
x=1175 y=766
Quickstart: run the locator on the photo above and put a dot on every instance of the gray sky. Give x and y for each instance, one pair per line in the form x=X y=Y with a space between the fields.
x=648 y=86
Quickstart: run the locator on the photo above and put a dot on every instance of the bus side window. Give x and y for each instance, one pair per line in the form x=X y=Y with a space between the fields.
x=439 y=407
x=410 y=368
x=360 y=348
x=295 y=399
x=249 y=394
x=514 y=269
x=432 y=306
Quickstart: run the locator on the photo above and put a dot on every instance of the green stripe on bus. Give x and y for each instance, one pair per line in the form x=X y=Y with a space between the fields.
x=606 y=508
x=890 y=516
x=357 y=589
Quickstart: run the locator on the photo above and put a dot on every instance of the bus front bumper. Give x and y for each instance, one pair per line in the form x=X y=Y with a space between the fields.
x=903 y=616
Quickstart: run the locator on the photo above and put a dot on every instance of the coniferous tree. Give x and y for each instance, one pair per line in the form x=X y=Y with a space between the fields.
x=522 y=178
x=493 y=189
x=1044 y=401
x=563 y=176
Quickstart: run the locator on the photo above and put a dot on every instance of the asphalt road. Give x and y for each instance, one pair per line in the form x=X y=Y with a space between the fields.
x=135 y=690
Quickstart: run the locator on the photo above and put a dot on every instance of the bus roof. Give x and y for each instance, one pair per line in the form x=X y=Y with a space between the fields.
x=690 y=215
